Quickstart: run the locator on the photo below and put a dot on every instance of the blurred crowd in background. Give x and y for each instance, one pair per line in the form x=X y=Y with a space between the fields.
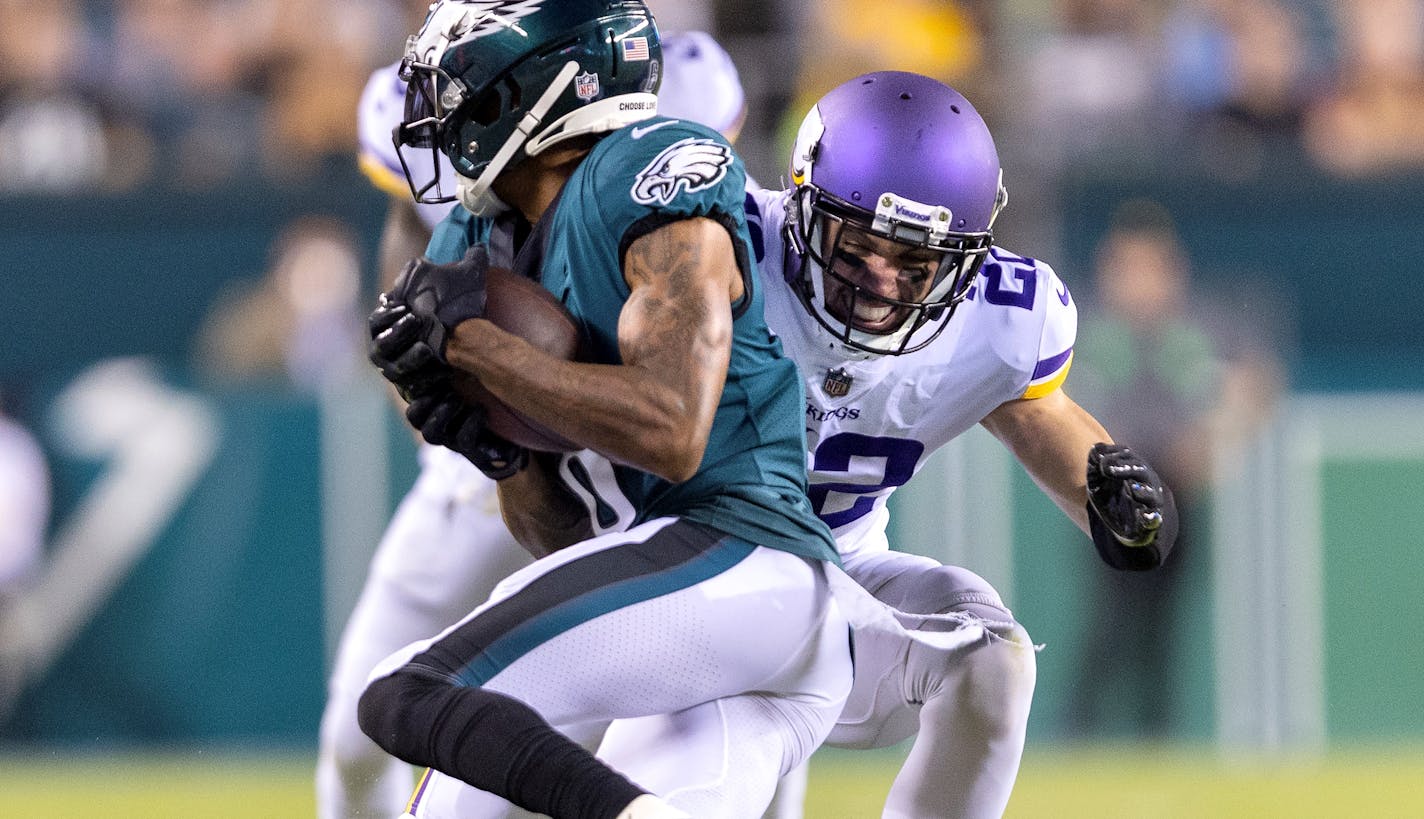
x=194 y=93
x=202 y=95
x=191 y=93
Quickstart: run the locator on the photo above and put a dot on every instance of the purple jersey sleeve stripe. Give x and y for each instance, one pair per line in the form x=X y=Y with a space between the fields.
x=1050 y=365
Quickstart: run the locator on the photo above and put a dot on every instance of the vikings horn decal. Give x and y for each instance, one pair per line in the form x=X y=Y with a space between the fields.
x=691 y=165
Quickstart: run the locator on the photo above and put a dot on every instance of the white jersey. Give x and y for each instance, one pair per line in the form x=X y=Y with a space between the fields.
x=1012 y=337
x=382 y=108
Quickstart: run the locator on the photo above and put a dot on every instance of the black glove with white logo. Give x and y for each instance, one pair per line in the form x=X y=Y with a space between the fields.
x=398 y=349
x=1131 y=513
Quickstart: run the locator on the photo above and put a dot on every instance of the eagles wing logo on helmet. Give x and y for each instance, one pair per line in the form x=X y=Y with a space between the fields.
x=454 y=20
x=691 y=164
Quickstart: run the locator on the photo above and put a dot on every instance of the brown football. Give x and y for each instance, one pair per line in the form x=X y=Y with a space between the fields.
x=524 y=308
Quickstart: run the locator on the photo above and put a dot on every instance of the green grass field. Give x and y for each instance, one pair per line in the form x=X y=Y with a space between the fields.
x=1061 y=783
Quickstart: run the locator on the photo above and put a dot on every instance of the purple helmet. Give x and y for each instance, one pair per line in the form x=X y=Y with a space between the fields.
x=891 y=157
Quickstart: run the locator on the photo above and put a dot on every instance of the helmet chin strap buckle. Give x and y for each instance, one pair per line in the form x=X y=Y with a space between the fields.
x=479 y=200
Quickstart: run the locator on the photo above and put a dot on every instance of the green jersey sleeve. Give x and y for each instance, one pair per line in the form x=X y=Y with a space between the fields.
x=634 y=181
x=455 y=234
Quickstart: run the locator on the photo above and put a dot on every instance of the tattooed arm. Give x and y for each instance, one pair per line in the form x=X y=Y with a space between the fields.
x=654 y=411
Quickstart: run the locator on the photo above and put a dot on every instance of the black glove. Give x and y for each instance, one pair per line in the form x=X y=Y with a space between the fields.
x=440 y=296
x=445 y=420
x=413 y=321
x=1131 y=513
x=398 y=349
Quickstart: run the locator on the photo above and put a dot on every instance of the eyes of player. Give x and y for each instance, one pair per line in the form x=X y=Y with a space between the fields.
x=916 y=267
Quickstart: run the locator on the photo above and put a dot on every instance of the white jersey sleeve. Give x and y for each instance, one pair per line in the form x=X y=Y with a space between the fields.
x=1032 y=304
x=872 y=421
x=381 y=109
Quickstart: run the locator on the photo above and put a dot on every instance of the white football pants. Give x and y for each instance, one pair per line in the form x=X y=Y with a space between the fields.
x=723 y=686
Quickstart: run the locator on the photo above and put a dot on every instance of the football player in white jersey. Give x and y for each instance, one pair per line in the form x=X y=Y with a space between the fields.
x=909 y=326
x=446 y=546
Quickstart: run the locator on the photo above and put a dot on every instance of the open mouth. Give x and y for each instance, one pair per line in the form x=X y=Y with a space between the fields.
x=875 y=318
x=870 y=316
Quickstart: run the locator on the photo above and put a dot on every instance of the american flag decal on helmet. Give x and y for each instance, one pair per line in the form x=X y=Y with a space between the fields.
x=635 y=49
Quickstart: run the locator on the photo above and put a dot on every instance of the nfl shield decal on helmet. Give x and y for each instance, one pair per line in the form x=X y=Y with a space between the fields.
x=586 y=85
x=689 y=165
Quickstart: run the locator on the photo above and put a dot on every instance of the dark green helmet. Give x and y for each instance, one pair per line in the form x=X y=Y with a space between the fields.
x=492 y=82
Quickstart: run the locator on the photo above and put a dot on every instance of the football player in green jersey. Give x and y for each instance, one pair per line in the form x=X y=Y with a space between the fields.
x=546 y=110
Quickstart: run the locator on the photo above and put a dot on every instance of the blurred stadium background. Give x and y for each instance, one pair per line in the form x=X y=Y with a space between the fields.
x=187 y=246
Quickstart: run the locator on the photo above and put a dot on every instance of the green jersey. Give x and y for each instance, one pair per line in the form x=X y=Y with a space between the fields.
x=752 y=480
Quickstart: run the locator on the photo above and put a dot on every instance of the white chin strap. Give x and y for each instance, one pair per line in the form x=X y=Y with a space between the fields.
x=477 y=197
x=475 y=194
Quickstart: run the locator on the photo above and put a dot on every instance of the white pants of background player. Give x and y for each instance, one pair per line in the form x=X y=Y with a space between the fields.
x=701 y=714
x=442 y=554
x=937 y=657
x=965 y=701
x=445 y=549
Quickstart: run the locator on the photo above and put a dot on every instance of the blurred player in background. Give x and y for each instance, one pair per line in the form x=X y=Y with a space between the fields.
x=1179 y=375
x=299 y=323
x=447 y=544
x=700 y=83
